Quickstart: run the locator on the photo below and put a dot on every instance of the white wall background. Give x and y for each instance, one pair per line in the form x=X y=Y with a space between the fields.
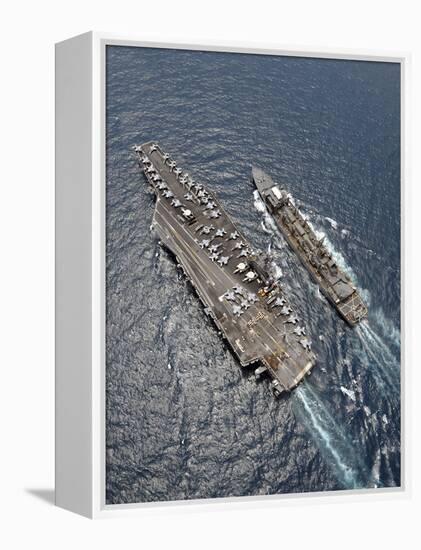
x=28 y=32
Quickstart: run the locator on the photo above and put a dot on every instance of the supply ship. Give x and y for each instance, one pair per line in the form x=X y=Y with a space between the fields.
x=333 y=282
x=246 y=303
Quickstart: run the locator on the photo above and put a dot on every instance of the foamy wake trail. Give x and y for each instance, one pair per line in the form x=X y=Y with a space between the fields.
x=389 y=331
x=258 y=203
x=268 y=225
x=377 y=345
x=377 y=351
x=332 y=222
x=265 y=229
x=328 y=433
x=375 y=471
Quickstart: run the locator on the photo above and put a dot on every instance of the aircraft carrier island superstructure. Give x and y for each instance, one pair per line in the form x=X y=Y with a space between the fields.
x=334 y=283
x=247 y=305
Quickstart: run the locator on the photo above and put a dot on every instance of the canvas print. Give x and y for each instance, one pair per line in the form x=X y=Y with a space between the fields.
x=252 y=275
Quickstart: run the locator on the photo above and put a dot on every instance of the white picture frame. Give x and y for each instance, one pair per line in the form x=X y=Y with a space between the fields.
x=80 y=271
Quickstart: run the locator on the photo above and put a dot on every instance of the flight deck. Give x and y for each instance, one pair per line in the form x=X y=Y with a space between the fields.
x=247 y=305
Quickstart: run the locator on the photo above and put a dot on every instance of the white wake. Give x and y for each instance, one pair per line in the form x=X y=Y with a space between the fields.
x=327 y=431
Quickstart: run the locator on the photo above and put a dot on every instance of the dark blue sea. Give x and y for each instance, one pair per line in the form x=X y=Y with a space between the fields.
x=183 y=421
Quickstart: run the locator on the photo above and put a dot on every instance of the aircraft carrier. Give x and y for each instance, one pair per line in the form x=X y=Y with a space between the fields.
x=246 y=304
x=332 y=281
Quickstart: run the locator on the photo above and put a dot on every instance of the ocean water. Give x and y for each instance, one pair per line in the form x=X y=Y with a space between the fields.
x=183 y=420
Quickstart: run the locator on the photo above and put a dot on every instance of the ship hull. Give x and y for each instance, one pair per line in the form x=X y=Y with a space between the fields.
x=248 y=308
x=333 y=283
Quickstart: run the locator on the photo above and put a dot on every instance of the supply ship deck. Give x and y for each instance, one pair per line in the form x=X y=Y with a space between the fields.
x=332 y=281
x=247 y=305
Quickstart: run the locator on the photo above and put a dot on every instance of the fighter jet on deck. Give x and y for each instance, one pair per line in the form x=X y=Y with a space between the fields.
x=299 y=331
